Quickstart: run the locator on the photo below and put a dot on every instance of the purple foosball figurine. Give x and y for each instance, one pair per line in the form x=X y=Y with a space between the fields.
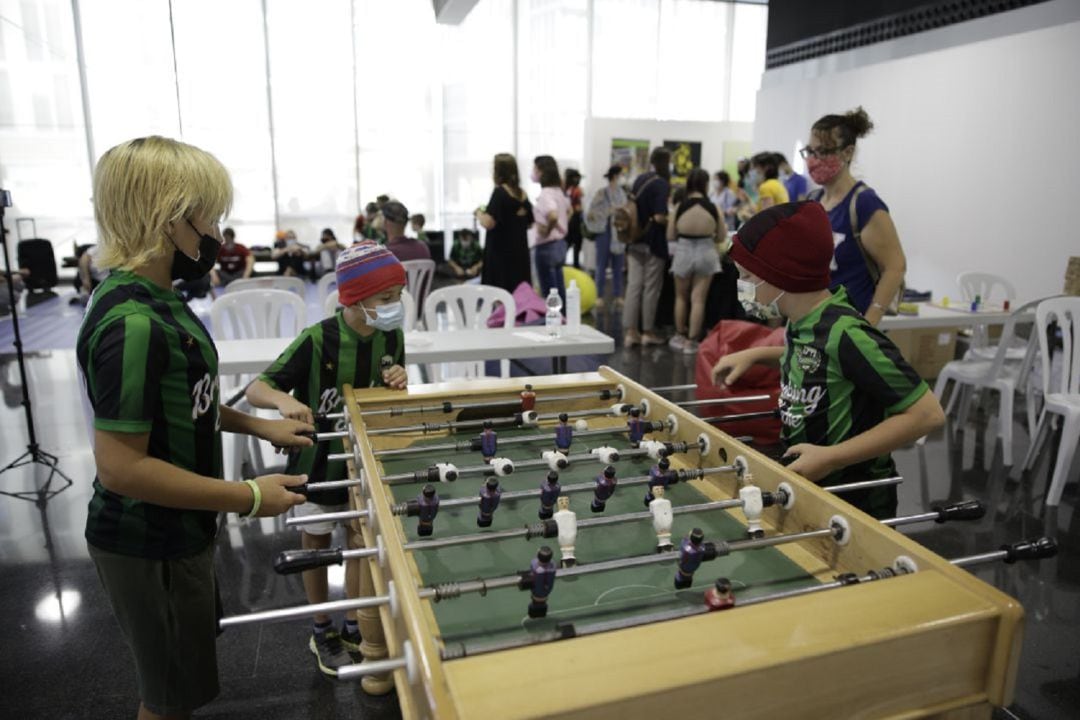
x=691 y=553
x=549 y=493
x=429 y=508
x=489 y=441
x=490 y=494
x=605 y=488
x=542 y=572
x=564 y=434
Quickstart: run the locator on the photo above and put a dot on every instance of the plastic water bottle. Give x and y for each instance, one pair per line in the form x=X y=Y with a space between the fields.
x=573 y=309
x=554 y=312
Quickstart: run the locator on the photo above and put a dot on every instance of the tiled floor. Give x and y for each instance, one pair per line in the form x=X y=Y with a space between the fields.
x=62 y=655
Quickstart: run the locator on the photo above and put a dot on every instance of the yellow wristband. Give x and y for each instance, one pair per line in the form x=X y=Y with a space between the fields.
x=256 y=500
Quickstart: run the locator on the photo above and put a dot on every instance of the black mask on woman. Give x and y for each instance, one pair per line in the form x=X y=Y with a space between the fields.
x=184 y=268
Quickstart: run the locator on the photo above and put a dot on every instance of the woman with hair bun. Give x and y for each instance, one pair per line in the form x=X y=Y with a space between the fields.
x=868 y=260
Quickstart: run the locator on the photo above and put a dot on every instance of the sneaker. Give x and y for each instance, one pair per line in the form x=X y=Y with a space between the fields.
x=329 y=652
x=677 y=342
x=631 y=340
x=690 y=348
x=351 y=641
x=650 y=339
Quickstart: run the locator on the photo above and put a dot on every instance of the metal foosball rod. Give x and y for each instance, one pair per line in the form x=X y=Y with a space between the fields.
x=674 y=388
x=449 y=407
x=447 y=591
x=1036 y=549
x=409 y=507
x=722 y=401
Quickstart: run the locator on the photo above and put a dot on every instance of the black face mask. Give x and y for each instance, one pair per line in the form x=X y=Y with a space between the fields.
x=184 y=268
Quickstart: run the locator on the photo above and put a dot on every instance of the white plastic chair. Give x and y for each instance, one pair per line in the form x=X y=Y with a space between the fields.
x=988 y=287
x=1065 y=311
x=466 y=307
x=327 y=284
x=330 y=308
x=419 y=275
x=998 y=374
x=250 y=315
x=291 y=284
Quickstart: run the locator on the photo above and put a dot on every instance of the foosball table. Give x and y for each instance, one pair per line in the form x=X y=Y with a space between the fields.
x=583 y=547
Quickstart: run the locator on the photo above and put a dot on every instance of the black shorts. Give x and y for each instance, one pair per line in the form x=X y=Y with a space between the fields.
x=168 y=613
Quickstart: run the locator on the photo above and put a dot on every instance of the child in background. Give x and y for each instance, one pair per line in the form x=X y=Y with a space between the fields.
x=466 y=255
x=417 y=222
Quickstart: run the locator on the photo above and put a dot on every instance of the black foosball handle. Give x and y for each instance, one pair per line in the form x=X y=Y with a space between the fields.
x=1038 y=549
x=967 y=510
x=294 y=561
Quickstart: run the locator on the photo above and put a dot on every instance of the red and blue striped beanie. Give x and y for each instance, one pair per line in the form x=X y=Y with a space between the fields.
x=366 y=269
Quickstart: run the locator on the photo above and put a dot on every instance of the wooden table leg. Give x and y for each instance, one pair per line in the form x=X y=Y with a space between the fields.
x=373 y=644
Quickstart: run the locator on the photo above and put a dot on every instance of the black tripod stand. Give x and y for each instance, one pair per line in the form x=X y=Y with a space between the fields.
x=34 y=455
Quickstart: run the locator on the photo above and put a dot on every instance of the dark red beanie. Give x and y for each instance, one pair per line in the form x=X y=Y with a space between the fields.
x=789 y=246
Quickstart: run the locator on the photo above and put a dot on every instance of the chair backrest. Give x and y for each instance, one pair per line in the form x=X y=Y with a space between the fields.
x=466 y=307
x=418 y=277
x=37 y=256
x=1020 y=316
x=252 y=314
x=290 y=284
x=986 y=286
x=327 y=283
x=330 y=307
x=1065 y=313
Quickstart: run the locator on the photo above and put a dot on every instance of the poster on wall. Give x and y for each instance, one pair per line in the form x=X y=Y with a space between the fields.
x=631 y=155
x=685 y=156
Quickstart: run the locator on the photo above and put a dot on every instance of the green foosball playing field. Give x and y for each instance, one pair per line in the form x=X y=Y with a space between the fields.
x=501 y=614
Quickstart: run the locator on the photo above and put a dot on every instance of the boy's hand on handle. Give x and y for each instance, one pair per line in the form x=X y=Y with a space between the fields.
x=730 y=368
x=293 y=409
x=395 y=377
x=813 y=462
x=276 y=496
x=288 y=435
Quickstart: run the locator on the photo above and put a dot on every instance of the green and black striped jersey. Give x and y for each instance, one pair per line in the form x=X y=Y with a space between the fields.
x=151 y=367
x=314 y=368
x=839 y=377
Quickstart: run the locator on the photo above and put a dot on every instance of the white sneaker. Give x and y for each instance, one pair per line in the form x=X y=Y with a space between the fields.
x=690 y=348
x=677 y=342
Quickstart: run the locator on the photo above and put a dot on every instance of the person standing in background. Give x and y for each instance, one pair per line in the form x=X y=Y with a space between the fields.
x=793 y=182
x=764 y=174
x=506 y=218
x=723 y=197
x=646 y=259
x=869 y=260
x=574 y=194
x=609 y=248
x=696 y=226
x=551 y=213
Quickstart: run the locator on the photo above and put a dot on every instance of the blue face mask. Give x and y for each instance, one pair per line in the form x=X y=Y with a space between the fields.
x=390 y=316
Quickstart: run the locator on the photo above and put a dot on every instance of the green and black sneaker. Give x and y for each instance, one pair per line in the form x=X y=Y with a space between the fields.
x=329 y=652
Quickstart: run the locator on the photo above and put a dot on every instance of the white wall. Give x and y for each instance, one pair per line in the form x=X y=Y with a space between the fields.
x=599 y=132
x=976 y=144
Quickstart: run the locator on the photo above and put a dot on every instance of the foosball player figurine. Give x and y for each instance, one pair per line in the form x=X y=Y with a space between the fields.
x=542 y=573
x=566 y=519
x=635 y=428
x=719 y=596
x=549 y=493
x=490 y=494
x=489 y=441
x=605 y=488
x=753 y=506
x=564 y=434
x=528 y=399
x=429 y=508
x=660 y=476
x=691 y=553
x=662 y=518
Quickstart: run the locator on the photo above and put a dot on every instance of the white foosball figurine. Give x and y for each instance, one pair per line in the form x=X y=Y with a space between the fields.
x=662 y=518
x=448 y=472
x=502 y=466
x=606 y=455
x=567 y=522
x=555 y=460
x=752 y=508
x=654 y=448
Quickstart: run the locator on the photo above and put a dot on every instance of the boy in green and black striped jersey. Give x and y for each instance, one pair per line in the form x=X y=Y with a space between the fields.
x=151 y=374
x=353 y=348
x=847 y=397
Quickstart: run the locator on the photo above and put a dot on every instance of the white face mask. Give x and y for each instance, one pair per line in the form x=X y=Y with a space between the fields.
x=747 y=292
x=389 y=316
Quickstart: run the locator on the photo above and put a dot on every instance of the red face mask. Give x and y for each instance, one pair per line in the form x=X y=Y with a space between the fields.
x=823 y=169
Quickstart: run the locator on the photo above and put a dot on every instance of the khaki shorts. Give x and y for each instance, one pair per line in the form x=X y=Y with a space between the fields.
x=167 y=610
x=319 y=528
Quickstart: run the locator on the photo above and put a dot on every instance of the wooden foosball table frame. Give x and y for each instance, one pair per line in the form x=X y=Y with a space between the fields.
x=937 y=642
